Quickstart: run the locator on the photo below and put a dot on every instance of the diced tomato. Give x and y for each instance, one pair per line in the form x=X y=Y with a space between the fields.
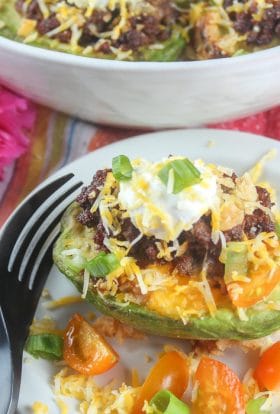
x=267 y=372
x=85 y=350
x=245 y=294
x=219 y=389
x=171 y=372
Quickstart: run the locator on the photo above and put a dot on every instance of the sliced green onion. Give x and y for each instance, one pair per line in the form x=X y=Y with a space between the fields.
x=185 y=174
x=166 y=402
x=255 y=406
x=236 y=260
x=277 y=230
x=73 y=259
x=46 y=346
x=121 y=168
x=102 y=264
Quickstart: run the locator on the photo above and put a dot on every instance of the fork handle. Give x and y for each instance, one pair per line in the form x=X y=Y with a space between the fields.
x=10 y=371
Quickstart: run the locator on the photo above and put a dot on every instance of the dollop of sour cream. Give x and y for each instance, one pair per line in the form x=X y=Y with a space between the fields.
x=154 y=210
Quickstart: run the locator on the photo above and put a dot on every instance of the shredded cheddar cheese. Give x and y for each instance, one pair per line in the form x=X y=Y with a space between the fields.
x=67 y=300
x=27 y=27
x=40 y=408
x=92 y=398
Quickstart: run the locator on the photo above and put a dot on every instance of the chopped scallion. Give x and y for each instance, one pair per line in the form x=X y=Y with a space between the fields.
x=122 y=168
x=236 y=261
x=185 y=174
x=102 y=264
x=46 y=346
x=74 y=259
x=166 y=402
x=255 y=406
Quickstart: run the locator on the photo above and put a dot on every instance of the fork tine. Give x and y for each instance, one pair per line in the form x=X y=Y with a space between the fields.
x=43 y=230
x=13 y=226
x=39 y=213
x=42 y=255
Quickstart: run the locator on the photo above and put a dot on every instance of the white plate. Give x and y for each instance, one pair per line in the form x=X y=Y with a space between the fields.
x=143 y=94
x=232 y=149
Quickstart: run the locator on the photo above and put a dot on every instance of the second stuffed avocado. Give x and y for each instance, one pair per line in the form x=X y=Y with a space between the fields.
x=176 y=248
x=146 y=30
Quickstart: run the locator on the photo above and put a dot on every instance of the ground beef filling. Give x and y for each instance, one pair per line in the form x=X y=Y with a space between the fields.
x=200 y=246
x=140 y=31
x=258 y=33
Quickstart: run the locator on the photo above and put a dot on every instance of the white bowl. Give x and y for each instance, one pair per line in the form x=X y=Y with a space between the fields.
x=143 y=94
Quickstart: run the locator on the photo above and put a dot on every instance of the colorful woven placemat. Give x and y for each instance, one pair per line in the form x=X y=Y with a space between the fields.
x=57 y=139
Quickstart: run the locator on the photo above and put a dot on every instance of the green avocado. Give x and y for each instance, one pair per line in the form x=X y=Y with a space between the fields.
x=225 y=325
x=9 y=19
x=171 y=49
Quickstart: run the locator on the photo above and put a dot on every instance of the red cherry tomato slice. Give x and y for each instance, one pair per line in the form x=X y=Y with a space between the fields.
x=85 y=350
x=244 y=294
x=267 y=372
x=219 y=389
x=171 y=372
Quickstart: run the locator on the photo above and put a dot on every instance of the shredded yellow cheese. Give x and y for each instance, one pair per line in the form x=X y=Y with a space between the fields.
x=62 y=406
x=27 y=27
x=257 y=169
x=92 y=398
x=40 y=408
x=66 y=300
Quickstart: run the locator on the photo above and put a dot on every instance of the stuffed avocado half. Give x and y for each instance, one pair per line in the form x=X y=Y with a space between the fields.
x=144 y=30
x=176 y=248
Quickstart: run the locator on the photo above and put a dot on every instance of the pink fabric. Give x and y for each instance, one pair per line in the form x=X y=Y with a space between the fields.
x=265 y=123
x=17 y=117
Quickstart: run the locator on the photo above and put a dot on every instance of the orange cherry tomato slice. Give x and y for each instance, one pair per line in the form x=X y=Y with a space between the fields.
x=85 y=350
x=219 y=389
x=171 y=372
x=267 y=372
x=245 y=294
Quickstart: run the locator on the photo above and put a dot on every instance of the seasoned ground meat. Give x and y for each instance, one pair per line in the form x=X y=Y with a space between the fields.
x=88 y=195
x=145 y=30
x=256 y=223
x=185 y=264
x=32 y=12
x=87 y=218
x=264 y=197
x=243 y=23
x=101 y=19
x=132 y=40
x=129 y=231
x=99 y=236
x=145 y=251
x=261 y=32
x=215 y=269
x=234 y=234
x=64 y=37
x=201 y=231
x=46 y=25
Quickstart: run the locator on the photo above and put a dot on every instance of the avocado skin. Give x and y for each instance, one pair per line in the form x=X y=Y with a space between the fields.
x=225 y=325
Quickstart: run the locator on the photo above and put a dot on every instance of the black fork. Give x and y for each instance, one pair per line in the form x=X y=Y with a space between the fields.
x=25 y=261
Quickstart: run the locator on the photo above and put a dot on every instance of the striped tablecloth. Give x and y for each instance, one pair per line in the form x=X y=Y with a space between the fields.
x=57 y=139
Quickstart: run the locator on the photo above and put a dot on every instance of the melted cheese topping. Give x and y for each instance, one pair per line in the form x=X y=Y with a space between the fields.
x=180 y=298
x=157 y=212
